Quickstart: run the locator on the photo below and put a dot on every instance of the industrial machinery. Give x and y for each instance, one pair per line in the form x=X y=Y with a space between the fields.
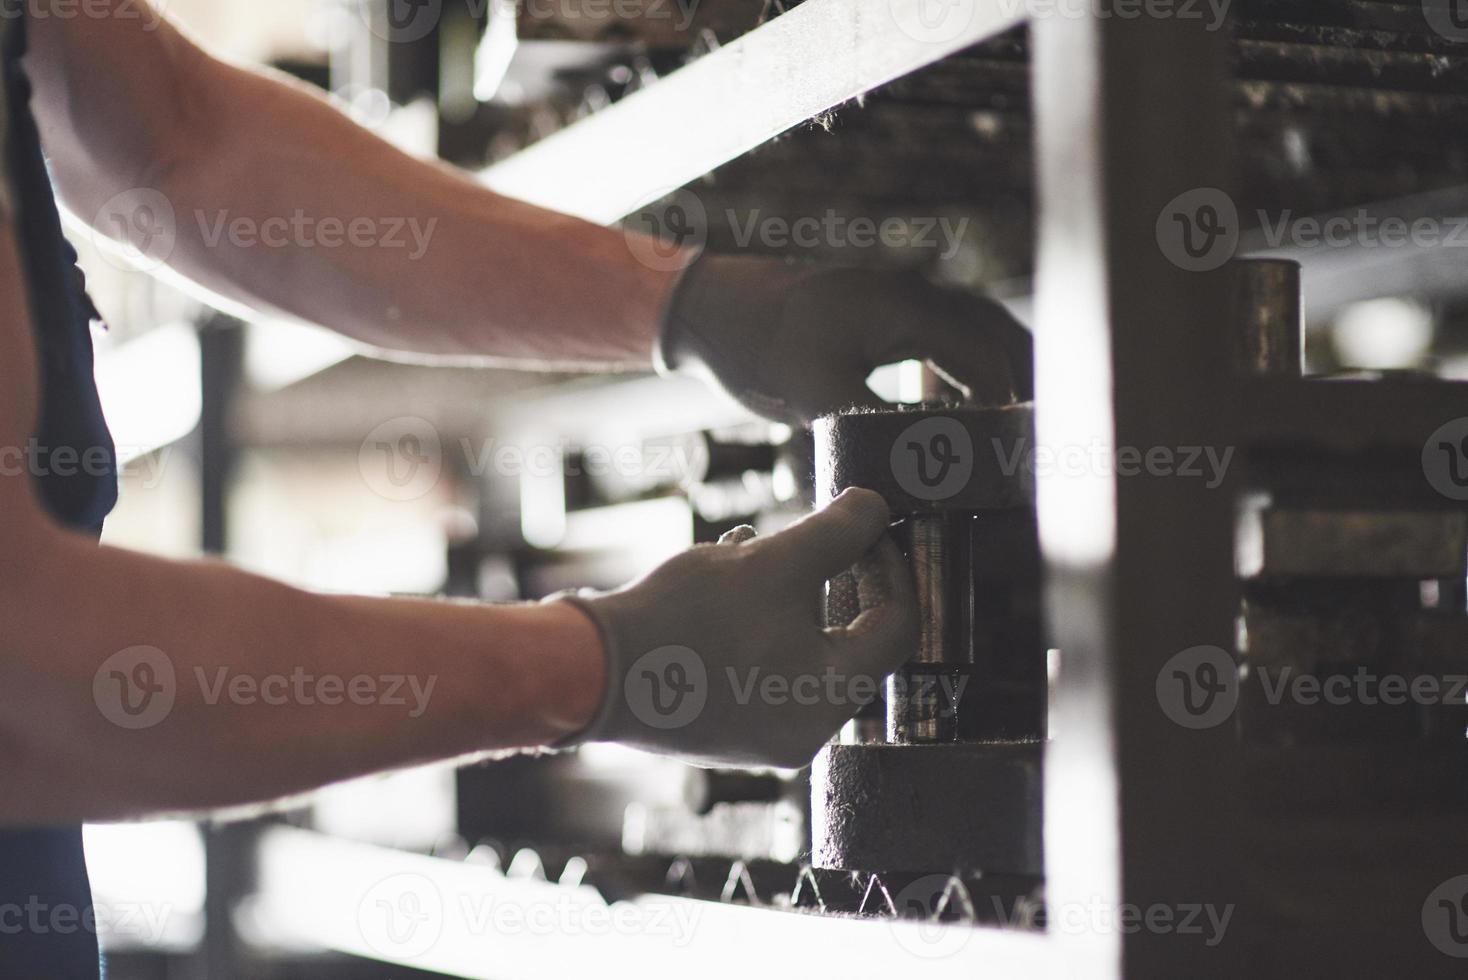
x=947 y=779
x=1189 y=695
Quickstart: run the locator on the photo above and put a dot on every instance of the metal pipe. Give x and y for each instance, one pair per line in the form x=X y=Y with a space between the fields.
x=1268 y=312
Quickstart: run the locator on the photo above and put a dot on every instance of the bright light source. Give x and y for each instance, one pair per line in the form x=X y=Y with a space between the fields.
x=279 y=353
x=150 y=389
x=147 y=882
x=496 y=50
x=1382 y=334
x=899 y=382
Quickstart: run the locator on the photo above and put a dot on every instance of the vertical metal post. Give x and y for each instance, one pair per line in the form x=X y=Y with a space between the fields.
x=227 y=848
x=1131 y=354
x=221 y=362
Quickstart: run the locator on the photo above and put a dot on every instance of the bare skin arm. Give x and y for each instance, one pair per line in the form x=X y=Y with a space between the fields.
x=127 y=102
x=502 y=676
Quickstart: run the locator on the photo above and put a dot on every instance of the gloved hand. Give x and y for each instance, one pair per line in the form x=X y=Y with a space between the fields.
x=793 y=342
x=719 y=656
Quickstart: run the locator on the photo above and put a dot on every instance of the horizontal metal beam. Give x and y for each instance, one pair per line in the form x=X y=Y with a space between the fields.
x=470 y=920
x=802 y=63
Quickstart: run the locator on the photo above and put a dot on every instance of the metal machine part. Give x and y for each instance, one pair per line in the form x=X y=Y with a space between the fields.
x=968 y=805
x=945 y=774
x=1349 y=563
x=1268 y=310
x=938 y=468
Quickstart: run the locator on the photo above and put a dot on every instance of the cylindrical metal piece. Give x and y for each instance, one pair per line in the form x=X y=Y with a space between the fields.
x=930 y=460
x=922 y=700
x=922 y=705
x=969 y=806
x=928 y=557
x=1268 y=312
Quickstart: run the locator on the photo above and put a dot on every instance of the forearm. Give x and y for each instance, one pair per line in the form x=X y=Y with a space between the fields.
x=275 y=690
x=445 y=267
x=283 y=203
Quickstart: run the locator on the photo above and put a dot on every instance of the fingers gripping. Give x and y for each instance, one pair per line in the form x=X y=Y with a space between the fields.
x=884 y=634
x=826 y=543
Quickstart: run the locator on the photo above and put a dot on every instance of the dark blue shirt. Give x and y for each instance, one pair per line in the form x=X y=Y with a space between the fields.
x=45 y=902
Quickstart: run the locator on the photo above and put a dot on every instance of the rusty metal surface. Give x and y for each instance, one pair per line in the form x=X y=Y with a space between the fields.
x=923 y=808
x=928 y=461
x=1299 y=542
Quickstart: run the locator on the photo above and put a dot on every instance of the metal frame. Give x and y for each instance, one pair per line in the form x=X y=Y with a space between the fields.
x=781 y=74
x=1130 y=351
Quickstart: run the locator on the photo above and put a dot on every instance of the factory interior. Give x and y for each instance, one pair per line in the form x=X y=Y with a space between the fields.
x=1185 y=693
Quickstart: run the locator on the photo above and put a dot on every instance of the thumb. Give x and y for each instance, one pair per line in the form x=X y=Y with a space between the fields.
x=884 y=635
x=829 y=541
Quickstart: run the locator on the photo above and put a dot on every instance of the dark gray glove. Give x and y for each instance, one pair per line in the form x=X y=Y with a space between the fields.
x=719 y=656
x=793 y=342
